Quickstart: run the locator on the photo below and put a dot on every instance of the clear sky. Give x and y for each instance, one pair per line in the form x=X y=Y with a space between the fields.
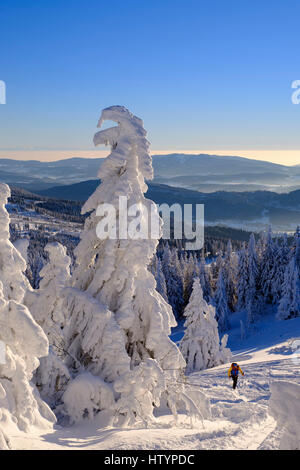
x=203 y=75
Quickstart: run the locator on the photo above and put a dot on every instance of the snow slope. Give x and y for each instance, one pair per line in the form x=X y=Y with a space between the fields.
x=241 y=419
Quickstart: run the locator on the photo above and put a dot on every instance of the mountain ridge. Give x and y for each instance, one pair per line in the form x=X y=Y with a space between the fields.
x=201 y=172
x=258 y=208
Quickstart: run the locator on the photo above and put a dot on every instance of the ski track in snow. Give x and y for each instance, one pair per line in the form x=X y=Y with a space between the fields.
x=240 y=418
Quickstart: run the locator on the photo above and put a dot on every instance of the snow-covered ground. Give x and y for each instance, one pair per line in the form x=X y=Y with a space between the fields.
x=240 y=419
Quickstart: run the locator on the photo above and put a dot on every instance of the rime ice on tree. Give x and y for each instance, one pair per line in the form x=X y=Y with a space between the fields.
x=46 y=305
x=201 y=343
x=25 y=342
x=119 y=323
x=115 y=271
x=12 y=265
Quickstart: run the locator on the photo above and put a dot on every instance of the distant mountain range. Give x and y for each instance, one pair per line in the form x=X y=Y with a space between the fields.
x=205 y=173
x=248 y=210
x=210 y=173
x=178 y=179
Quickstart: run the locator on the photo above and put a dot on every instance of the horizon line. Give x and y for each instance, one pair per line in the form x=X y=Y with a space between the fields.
x=281 y=157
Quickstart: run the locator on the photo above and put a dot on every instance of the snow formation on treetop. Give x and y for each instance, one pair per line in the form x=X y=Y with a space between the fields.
x=12 y=265
x=128 y=134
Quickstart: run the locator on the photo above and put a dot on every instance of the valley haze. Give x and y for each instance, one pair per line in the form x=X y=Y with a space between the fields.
x=236 y=191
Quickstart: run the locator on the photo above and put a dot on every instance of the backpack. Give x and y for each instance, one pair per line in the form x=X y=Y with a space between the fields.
x=234 y=369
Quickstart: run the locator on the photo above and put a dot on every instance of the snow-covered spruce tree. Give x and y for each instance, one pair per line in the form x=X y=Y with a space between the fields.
x=242 y=278
x=296 y=248
x=155 y=268
x=200 y=344
x=267 y=271
x=215 y=268
x=261 y=246
x=289 y=306
x=23 y=341
x=36 y=261
x=46 y=305
x=252 y=295
x=119 y=324
x=281 y=260
x=161 y=286
x=190 y=270
x=221 y=303
x=204 y=278
x=229 y=274
x=174 y=282
x=12 y=265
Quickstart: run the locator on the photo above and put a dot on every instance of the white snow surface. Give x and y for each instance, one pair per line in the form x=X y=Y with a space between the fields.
x=244 y=419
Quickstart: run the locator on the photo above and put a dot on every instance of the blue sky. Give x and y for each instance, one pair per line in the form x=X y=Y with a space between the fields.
x=201 y=74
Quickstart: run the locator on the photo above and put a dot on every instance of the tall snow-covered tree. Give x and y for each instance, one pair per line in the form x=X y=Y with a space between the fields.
x=46 y=305
x=161 y=285
x=229 y=273
x=205 y=279
x=200 y=344
x=296 y=248
x=267 y=271
x=119 y=324
x=289 y=306
x=190 y=269
x=173 y=276
x=281 y=260
x=24 y=342
x=221 y=303
x=217 y=265
x=155 y=268
x=12 y=265
x=252 y=296
x=242 y=278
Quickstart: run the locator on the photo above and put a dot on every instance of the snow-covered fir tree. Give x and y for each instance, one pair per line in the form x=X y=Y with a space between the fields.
x=267 y=271
x=215 y=269
x=200 y=345
x=242 y=278
x=119 y=324
x=23 y=342
x=190 y=269
x=161 y=285
x=155 y=268
x=289 y=306
x=46 y=305
x=12 y=265
x=296 y=248
x=252 y=295
x=281 y=260
x=174 y=281
x=221 y=303
x=205 y=278
x=229 y=275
